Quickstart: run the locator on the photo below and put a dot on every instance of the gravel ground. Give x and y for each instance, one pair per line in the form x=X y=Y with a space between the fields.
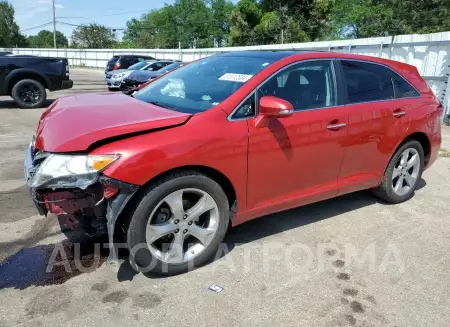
x=349 y=261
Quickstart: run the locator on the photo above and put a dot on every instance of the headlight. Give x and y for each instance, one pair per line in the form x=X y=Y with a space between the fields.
x=70 y=170
x=121 y=75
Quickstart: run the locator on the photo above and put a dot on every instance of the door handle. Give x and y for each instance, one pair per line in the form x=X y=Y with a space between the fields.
x=398 y=113
x=336 y=126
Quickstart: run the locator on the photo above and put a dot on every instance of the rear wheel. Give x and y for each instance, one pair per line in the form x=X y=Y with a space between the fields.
x=178 y=224
x=402 y=174
x=29 y=93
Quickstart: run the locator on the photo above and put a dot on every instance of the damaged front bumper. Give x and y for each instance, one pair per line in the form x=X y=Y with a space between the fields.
x=91 y=207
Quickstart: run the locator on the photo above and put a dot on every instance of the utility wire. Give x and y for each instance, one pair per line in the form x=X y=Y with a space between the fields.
x=111 y=28
x=70 y=24
x=78 y=25
x=38 y=26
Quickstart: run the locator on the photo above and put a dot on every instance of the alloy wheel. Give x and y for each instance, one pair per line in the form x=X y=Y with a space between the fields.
x=30 y=93
x=182 y=225
x=406 y=172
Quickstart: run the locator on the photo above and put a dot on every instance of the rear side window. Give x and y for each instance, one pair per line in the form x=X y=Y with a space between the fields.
x=402 y=88
x=114 y=59
x=367 y=82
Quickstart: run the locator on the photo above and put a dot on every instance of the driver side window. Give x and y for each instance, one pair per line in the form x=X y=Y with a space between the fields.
x=308 y=85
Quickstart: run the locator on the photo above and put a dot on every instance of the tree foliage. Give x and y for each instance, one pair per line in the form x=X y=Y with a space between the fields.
x=44 y=39
x=369 y=18
x=93 y=36
x=216 y=23
x=192 y=23
x=10 y=35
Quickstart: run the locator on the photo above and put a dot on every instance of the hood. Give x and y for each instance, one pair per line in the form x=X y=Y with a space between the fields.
x=144 y=75
x=118 y=71
x=75 y=122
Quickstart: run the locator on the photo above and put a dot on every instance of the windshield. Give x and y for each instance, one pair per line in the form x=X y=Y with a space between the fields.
x=170 y=67
x=139 y=65
x=203 y=84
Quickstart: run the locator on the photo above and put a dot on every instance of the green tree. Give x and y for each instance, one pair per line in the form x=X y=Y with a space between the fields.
x=274 y=28
x=244 y=18
x=267 y=22
x=192 y=19
x=154 y=30
x=420 y=16
x=9 y=30
x=309 y=16
x=369 y=18
x=44 y=39
x=93 y=36
x=220 y=12
x=205 y=23
x=360 y=18
x=193 y=23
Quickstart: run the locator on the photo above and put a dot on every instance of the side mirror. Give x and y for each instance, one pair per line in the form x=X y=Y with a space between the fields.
x=272 y=107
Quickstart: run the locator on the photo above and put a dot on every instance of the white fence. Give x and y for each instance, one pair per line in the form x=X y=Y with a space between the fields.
x=430 y=53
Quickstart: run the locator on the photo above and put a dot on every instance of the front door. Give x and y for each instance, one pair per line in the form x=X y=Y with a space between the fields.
x=297 y=159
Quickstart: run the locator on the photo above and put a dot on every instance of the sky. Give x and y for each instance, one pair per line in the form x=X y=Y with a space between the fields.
x=111 y=13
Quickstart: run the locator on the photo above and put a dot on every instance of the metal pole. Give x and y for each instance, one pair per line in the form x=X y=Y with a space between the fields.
x=446 y=102
x=54 y=25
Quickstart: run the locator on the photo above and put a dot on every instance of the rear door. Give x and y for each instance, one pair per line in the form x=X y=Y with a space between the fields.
x=297 y=159
x=378 y=121
x=127 y=61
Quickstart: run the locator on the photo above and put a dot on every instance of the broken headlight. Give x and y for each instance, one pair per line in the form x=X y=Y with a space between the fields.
x=80 y=171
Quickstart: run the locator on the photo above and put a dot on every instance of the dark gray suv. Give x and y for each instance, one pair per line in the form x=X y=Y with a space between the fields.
x=124 y=61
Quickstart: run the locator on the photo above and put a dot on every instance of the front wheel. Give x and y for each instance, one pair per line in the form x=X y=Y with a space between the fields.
x=29 y=93
x=178 y=224
x=402 y=174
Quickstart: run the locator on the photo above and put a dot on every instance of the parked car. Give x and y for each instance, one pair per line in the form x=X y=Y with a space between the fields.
x=25 y=78
x=114 y=78
x=137 y=78
x=123 y=61
x=227 y=139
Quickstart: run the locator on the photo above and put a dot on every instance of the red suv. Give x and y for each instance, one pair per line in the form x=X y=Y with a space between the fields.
x=227 y=139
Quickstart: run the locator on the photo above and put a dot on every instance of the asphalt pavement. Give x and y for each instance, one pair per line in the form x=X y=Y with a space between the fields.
x=349 y=261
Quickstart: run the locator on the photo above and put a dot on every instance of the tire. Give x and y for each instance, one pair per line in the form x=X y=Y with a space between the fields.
x=386 y=191
x=29 y=93
x=145 y=258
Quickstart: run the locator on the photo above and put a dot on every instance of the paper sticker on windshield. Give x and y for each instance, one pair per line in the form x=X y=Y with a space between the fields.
x=240 y=78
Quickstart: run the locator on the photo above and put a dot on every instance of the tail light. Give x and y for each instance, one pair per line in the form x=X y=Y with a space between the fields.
x=67 y=70
x=116 y=66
